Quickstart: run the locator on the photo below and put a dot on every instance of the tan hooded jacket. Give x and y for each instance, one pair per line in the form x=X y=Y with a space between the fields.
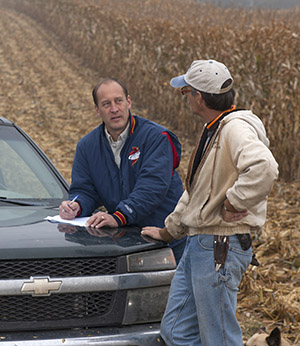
x=236 y=165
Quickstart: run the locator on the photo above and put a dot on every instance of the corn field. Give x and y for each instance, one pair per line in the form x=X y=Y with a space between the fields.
x=53 y=52
x=147 y=42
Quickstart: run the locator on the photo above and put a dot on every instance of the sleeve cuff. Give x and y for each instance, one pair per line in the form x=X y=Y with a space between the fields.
x=120 y=218
x=166 y=236
x=79 y=211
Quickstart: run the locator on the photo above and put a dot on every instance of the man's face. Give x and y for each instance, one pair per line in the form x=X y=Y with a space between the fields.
x=113 y=108
x=191 y=99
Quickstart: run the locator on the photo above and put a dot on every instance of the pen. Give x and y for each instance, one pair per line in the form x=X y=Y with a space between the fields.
x=73 y=200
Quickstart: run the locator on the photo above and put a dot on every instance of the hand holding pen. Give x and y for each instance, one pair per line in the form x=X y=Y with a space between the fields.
x=69 y=209
x=73 y=200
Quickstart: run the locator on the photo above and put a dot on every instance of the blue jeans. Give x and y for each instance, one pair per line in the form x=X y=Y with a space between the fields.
x=202 y=302
x=178 y=247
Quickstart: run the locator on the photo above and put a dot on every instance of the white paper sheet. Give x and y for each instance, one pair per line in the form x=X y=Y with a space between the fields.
x=78 y=221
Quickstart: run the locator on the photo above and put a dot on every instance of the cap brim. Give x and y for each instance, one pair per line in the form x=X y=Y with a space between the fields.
x=178 y=82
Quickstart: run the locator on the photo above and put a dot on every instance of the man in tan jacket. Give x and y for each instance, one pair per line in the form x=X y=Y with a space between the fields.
x=230 y=175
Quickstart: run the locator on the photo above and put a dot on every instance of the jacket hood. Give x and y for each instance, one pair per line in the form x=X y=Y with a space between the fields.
x=253 y=120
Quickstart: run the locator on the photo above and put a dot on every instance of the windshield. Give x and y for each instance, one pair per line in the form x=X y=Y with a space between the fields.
x=24 y=175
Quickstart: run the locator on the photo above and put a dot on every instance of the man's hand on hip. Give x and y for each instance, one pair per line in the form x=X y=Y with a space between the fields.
x=229 y=213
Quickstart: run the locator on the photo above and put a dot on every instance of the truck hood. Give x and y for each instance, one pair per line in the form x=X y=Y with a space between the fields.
x=34 y=237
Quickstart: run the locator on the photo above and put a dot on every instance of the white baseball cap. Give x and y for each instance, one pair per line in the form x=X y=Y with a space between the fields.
x=205 y=75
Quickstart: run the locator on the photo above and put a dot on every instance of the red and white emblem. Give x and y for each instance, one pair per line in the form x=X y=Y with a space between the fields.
x=134 y=155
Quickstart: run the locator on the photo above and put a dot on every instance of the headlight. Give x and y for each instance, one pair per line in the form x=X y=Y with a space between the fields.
x=146 y=305
x=162 y=259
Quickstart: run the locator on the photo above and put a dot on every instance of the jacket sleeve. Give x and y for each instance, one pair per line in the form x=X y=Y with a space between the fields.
x=173 y=221
x=82 y=183
x=257 y=168
x=160 y=156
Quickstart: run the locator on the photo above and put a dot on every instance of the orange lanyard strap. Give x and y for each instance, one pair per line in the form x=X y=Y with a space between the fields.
x=219 y=116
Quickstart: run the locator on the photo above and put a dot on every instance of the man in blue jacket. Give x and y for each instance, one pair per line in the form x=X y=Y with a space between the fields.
x=127 y=164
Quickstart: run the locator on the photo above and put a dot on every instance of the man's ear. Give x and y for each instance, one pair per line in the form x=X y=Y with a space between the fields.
x=199 y=97
x=97 y=110
x=129 y=101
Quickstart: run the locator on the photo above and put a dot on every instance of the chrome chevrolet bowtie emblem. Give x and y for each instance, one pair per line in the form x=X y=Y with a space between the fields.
x=41 y=286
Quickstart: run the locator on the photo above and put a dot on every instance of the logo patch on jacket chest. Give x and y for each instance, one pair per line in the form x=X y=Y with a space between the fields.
x=134 y=155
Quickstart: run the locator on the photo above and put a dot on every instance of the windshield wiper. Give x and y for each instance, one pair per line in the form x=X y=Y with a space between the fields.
x=20 y=202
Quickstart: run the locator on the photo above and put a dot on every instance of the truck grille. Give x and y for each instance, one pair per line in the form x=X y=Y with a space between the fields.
x=66 y=310
x=62 y=311
x=61 y=267
x=56 y=307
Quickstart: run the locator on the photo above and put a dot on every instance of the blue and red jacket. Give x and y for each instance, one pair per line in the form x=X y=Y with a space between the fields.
x=146 y=187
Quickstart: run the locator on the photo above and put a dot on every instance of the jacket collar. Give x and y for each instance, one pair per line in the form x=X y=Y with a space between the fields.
x=132 y=123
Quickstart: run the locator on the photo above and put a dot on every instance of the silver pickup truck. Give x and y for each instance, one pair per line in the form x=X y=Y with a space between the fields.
x=62 y=284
